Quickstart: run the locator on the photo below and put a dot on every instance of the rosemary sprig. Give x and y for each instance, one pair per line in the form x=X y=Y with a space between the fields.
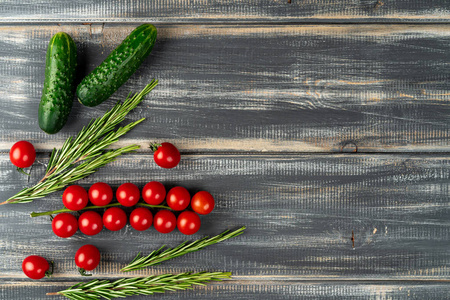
x=84 y=154
x=98 y=289
x=53 y=212
x=158 y=256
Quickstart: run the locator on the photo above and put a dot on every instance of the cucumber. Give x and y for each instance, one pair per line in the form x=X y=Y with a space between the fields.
x=123 y=61
x=59 y=88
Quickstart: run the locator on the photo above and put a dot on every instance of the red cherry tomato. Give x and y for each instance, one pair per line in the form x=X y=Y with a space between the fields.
x=178 y=198
x=165 y=221
x=35 y=267
x=128 y=194
x=188 y=222
x=22 y=154
x=75 y=197
x=87 y=258
x=100 y=194
x=64 y=225
x=141 y=219
x=167 y=156
x=154 y=193
x=202 y=203
x=114 y=219
x=90 y=223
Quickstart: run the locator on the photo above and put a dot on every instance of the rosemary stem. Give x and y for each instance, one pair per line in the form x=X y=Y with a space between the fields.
x=47 y=213
x=85 y=153
x=105 y=289
x=162 y=254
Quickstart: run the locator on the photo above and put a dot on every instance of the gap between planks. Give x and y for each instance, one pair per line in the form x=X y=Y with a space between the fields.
x=243 y=279
x=312 y=22
x=278 y=154
x=419 y=20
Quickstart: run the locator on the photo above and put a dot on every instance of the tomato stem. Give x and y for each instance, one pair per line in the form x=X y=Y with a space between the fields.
x=49 y=273
x=154 y=146
x=49 y=213
x=153 y=206
x=83 y=272
x=20 y=170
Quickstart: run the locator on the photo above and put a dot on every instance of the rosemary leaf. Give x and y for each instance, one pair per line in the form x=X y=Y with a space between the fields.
x=157 y=256
x=86 y=153
x=105 y=289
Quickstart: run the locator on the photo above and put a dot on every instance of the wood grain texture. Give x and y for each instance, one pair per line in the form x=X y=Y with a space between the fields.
x=259 y=289
x=380 y=88
x=220 y=11
x=247 y=89
x=300 y=212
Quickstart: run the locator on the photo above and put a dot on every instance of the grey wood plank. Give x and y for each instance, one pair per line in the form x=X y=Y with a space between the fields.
x=258 y=289
x=225 y=11
x=383 y=88
x=300 y=211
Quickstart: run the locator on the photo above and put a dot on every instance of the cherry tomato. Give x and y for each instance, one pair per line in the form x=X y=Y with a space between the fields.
x=128 y=194
x=87 y=258
x=154 y=193
x=100 y=194
x=141 y=219
x=64 y=225
x=22 y=154
x=178 y=198
x=167 y=156
x=90 y=223
x=114 y=219
x=35 y=267
x=75 y=197
x=165 y=221
x=188 y=222
x=202 y=203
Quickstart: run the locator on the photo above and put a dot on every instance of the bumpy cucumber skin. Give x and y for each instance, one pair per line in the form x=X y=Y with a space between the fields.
x=59 y=87
x=115 y=70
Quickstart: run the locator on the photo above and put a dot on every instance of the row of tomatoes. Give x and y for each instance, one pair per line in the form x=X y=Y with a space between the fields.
x=65 y=225
x=87 y=258
x=76 y=198
x=128 y=194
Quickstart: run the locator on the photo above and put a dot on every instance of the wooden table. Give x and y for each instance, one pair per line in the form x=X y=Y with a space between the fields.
x=308 y=121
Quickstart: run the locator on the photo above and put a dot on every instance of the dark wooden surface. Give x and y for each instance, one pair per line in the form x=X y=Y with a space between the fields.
x=218 y=11
x=284 y=88
x=262 y=98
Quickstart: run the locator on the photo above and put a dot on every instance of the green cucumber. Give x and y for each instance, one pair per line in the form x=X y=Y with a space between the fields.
x=123 y=61
x=59 y=88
